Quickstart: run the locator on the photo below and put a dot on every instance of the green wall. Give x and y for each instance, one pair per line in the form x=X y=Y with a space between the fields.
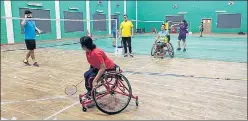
x=156 y=11
x=131 y=12
x=93 y=7
x=48 y=5
x=3 y=26
x=64 y=6
x=118 y=9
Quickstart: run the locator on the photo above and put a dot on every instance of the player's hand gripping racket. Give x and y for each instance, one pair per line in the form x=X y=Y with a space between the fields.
x=72 y=89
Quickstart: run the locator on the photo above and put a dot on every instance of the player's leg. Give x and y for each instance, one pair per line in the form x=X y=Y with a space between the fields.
x=27 y=42
x=129 y=46
x=124 y=40
x=33 y=47
x=179 y=39
x=88 y=82
x=184 y=43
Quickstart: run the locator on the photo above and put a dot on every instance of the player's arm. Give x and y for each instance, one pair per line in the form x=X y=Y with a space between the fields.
x=156 y=38
x=100 y=73
x=37 y=29
x=98 y=58
x=132 y=28
x=174 y=25
x=24 y=21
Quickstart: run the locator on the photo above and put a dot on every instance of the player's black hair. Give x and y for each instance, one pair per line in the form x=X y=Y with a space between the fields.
x=125 y=15
x=162 y=24
x=87 y=42
x=184 y=21
x=27 y=12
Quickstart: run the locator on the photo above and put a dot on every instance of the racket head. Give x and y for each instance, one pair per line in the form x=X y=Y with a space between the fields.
x=71 y=90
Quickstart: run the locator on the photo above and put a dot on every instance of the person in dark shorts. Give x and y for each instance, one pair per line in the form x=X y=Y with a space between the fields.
x=29 y=32
x=182 y=34
x=201 y=29
x=126 y=32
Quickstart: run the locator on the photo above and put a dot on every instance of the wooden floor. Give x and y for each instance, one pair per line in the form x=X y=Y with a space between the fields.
x=167 y=88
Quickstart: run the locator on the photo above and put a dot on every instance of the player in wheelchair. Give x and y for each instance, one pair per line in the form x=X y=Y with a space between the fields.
x=99 y=63
x=103 y=78
x=162 y=40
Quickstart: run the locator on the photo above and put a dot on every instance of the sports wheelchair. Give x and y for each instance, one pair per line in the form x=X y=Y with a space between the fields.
x=112 y=93
x=159 y=49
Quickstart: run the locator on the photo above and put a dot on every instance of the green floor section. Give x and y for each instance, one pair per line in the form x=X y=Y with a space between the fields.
x=231 y=49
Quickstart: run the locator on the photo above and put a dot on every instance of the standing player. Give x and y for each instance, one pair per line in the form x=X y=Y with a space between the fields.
x=29 y=32
x=125 y=31
x=201 y=29
x=167 y=28
x=182 y=34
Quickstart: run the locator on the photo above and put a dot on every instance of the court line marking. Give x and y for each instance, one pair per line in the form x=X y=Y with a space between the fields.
x=33 y=100
x=78 y=102
x=195 y=92
x=19 y=112
x=62 y=110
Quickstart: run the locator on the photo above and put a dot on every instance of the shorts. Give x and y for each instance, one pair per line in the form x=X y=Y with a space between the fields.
x=201 y=30
x=30 y=44
x=182 y=37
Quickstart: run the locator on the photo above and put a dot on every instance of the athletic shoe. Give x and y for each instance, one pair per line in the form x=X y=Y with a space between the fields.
x=184 y=50
x=26 y=62
x=130 y=54
x=178 y=49
x=125 y=55
x=36 y=64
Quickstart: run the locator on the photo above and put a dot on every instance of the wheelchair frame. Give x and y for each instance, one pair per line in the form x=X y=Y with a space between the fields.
x=155 y=47
x=110 y=90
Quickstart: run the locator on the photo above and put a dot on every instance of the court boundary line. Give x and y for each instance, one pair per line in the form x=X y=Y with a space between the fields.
x=78 y=102
x=33 y=100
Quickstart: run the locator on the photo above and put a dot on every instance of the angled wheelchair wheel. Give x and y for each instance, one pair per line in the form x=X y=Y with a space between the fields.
x=170 y=50
x=153 y=50
x=112 y=97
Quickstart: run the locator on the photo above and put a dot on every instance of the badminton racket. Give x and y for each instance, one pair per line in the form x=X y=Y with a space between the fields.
x=72 y=89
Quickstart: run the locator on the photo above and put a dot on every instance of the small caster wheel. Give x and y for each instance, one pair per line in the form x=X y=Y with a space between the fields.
x=137 y=103
x=84 y=109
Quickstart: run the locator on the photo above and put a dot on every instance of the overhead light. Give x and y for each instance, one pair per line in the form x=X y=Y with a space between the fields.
x=117 y=13
x=34 y=4
x=99 y=11
x=182 y=13
x=220 y=11
x=73 y=8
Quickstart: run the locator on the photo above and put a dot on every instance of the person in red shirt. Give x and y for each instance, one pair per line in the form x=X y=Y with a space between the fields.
x=98 y=60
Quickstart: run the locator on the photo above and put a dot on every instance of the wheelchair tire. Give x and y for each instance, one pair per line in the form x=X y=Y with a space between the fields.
x=171 y=50
x=110 y=112
x=153 y=50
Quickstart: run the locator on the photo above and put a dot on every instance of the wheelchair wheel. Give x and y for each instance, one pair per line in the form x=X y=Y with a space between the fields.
x=115 y=98
x=153 y=50
x=170 y=50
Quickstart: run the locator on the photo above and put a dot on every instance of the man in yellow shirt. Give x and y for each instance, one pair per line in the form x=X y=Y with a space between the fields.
x=126 y=32
x=166 y=25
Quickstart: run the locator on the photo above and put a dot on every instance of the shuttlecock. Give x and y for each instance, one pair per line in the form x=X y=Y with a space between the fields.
x=50 y=76
x=15 y=77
